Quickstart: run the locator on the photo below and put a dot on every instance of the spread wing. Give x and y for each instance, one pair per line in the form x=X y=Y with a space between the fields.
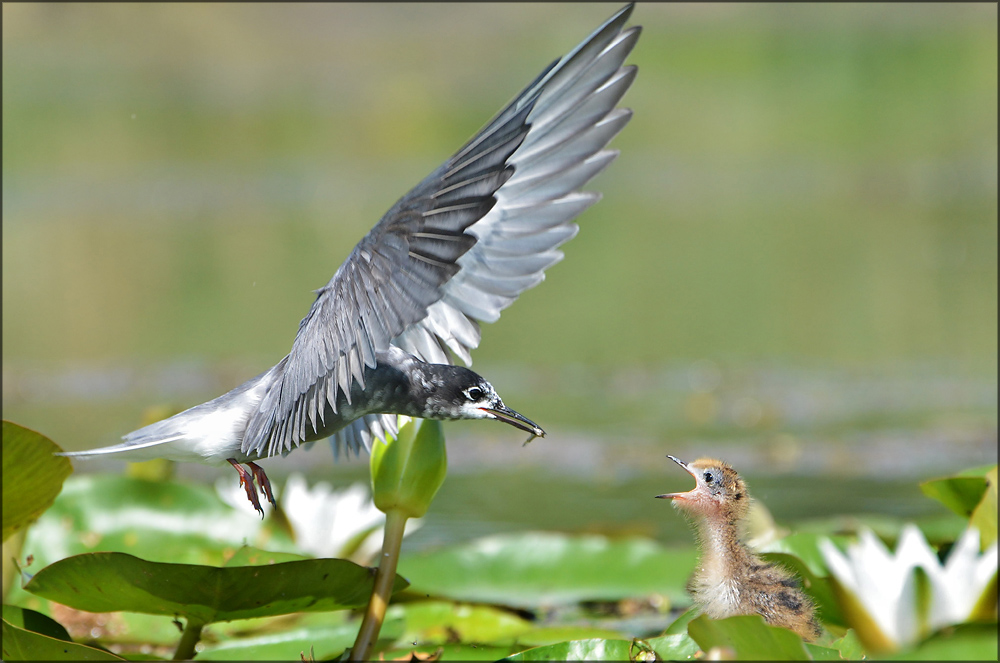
x=459 y=247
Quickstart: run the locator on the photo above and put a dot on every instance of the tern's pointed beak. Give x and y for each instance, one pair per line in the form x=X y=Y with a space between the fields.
x=670 y=496
x=508 y=416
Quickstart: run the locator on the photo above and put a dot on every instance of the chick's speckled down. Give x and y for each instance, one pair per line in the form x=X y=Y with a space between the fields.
x=730 y=579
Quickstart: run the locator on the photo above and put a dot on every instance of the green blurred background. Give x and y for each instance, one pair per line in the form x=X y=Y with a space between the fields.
x=794 y=266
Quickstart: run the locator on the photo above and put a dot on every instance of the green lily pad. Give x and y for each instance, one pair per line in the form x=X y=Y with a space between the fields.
x=747 y=637
x=161 y=521
x=805 y=546
x=438 y=622
x=578 y=650
x=250 y=556
x=967 y=642
x=106 y=582
x=35 y=622
x=962 y=492
x=550 y=635
x=680 y=625
x=849 y=646
x=830 y=648
x=462 y=652
x=32 y=476
x=448 y=652
x=542 y=568
x=324 y=635
x=678 y=647
x=155 y=520
x=820 y=653
x=940 y=529
x=23 y=645
x=984 y=517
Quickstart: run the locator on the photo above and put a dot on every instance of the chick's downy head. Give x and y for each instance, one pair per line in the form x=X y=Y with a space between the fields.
x=719 y=491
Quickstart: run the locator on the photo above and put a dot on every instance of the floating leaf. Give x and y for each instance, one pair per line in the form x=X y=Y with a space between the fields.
x=846 y=648
x=250 y=556
x=578 y=650
x=962 y=492
x=23 y=645
x=747 y=637
x=36 y=622
x=161 y=521
x=984 y=517
x=32 y=476
x=157 y=521
x=324 y=639
x=677 y=647
x=285 y=636
x=462 y=652
x=543 y=568
x=437 y=622
x=550 y=635
x=820 y=653
x=805 y=546
x=680 y=625
x=106 y=582
x=449 y=652
x=850 y=646
x=968 y=642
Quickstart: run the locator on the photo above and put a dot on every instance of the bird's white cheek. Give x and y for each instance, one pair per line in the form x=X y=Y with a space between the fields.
x=471 y=411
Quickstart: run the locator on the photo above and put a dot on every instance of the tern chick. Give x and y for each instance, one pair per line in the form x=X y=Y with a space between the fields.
x=729 y=579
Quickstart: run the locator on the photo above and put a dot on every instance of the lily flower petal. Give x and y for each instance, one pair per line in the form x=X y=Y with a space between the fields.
x=885 y=584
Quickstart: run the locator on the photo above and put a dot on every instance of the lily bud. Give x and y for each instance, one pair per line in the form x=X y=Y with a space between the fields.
x=408 y=471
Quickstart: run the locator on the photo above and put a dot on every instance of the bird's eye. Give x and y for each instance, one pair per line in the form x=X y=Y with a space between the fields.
x=474 y=393
x=708 y=477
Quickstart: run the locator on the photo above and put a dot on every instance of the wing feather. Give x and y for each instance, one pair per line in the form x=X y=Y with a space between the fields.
x=459 y=247
x=573 y=120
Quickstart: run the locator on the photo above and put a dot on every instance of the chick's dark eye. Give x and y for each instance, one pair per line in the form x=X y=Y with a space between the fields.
x=708 y=477
x=474 y=393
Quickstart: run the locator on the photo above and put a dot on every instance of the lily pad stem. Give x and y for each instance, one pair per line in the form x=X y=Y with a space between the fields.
x=395 y=524
x=189 y=638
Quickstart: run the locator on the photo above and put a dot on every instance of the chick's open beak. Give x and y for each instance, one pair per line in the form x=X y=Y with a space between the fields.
x=508 y=416
x=670 y=496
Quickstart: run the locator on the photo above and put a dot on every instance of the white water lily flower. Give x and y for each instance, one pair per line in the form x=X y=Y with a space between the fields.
x=886 y=584
x=958 y=585
x=883 y=584
x=325 y=522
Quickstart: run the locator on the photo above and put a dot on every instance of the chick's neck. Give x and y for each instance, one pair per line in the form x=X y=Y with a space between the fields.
x=724 y=556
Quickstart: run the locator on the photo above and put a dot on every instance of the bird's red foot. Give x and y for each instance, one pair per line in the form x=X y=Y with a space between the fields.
x=246 y=480
x=262 y=481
